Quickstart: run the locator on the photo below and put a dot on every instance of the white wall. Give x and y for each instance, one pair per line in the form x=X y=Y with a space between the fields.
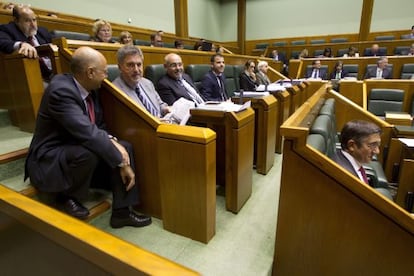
x=217 y=19
x=150 y=14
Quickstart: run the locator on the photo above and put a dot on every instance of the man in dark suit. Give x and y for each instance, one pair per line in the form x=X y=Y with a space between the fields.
x=175 y=83
x=23 y=35
x=275 y=55
x=381 y=71
x=71 y=151
x=360 y=142
x=316 y=72
x=374 y=51
x=212 y=84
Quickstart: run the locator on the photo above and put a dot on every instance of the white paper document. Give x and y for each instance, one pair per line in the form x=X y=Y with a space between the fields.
x=224 y=106
x=407 y=141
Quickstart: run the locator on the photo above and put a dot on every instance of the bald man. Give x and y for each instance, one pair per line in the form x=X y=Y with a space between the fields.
x=71 y=151
x=175 y=83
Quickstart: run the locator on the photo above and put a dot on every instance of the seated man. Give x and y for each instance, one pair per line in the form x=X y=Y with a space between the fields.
x=175 y=84
x=381 y=71
x=71 y=151
x=132 y=82
x=212 y=84
x=360 y=142
x=374 y=51
x=23 y=35
x=316 y=71
x=282 y=58
x=261 y=75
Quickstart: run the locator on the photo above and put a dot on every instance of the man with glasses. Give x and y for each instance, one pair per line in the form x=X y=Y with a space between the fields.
x=71 y=151
x=176 y=84
x=132 y=82
x=360 y=143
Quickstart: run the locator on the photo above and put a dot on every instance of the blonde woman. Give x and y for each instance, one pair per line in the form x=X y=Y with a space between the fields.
x=102 y=31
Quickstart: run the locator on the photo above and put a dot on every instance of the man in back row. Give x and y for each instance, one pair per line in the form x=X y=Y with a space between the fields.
x=23 y=35
x=71 y=150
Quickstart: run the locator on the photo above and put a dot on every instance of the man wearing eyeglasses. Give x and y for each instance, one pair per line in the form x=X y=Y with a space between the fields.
x=360 y=143
x=132 y=82
x=176 y=84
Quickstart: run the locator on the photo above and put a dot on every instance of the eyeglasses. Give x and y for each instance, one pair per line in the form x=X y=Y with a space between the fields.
x=373 y=145
x=131 y=65
x=173 y=65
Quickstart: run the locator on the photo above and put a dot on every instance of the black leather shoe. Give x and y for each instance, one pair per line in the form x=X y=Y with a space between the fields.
x=74 y=208
x=131 y=220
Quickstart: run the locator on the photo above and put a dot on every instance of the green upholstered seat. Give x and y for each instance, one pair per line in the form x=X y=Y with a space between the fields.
x=113 y=72
x=407 y=71
x=70 y=35
x=317 y=41
x=352 y=70
x=339 y=40
x=381 y=100
x=154 y=72
x=298 y=42
x=197 y=72
x=384 y=37
x=141 y=42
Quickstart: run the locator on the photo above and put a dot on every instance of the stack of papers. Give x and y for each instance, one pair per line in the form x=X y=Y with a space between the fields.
x=224 y=106
x=252 y=94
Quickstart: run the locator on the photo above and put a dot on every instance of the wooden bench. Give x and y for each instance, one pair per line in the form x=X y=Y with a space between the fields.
x=327 y=220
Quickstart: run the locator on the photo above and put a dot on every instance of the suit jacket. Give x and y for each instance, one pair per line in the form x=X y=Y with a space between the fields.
x=63 y=121
x=323 y=74
x=372 y=73
x=210 y=89
x=10 y=34
x=247 y=83
x=280 y=57
x=262 y=79
x=343 y=74
x=171 y=90
x=149 y=90
x=340 y=159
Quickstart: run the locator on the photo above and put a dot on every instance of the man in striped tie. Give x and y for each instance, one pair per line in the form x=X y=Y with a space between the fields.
x=132 y=82
x=360 y=143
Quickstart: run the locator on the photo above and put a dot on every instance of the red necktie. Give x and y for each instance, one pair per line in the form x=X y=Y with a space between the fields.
x=91 y=109
x=364 y=175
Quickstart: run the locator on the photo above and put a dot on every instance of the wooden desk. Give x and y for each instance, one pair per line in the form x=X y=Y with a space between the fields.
x=266 y=116
x=283 y=106
x=235 y=140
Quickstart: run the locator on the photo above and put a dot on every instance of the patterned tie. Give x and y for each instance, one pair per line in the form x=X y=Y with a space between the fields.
x=91 y=108
x=191 y=92
x=147 y=104
x=364 y=175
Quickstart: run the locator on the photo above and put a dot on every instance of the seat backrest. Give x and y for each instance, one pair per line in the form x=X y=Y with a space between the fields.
x=168 y=45
x=381 y=100
x=322 y=126
x=318 y=52
x=238 y=69
x=342 y=52
x=294 y=54
x=197 y=72
x=298 y=42
x=317 y=41
x=407 y=71
x=262 y=45
x=141 y=42
x=385 y=37
x=113 y=72
x=401 y=50
x=339 y=39
x=231 y=80
x=317 y=142
x=154 y=72
x=70 y=35
x=352 y=70
x=405 y=36
x=279 y=43
x=382 y=51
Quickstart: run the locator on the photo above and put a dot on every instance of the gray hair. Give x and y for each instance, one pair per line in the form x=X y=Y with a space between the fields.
x=128 y=50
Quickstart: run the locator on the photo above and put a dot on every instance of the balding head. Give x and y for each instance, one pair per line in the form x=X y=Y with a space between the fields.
x=88 y=67
x=25 y=19
x=174 y=66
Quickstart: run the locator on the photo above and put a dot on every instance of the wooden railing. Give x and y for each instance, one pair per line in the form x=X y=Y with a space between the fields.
x=328 y=222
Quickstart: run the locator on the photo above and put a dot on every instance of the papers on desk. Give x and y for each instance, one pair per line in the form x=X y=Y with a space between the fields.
x=407 y=141
x=271 y=87
x=252 y=94
x=224 y=106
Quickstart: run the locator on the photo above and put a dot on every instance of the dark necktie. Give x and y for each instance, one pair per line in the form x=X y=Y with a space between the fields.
x=147 y=104
x=222 y=88
x=91 y=108
x=364 y=175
